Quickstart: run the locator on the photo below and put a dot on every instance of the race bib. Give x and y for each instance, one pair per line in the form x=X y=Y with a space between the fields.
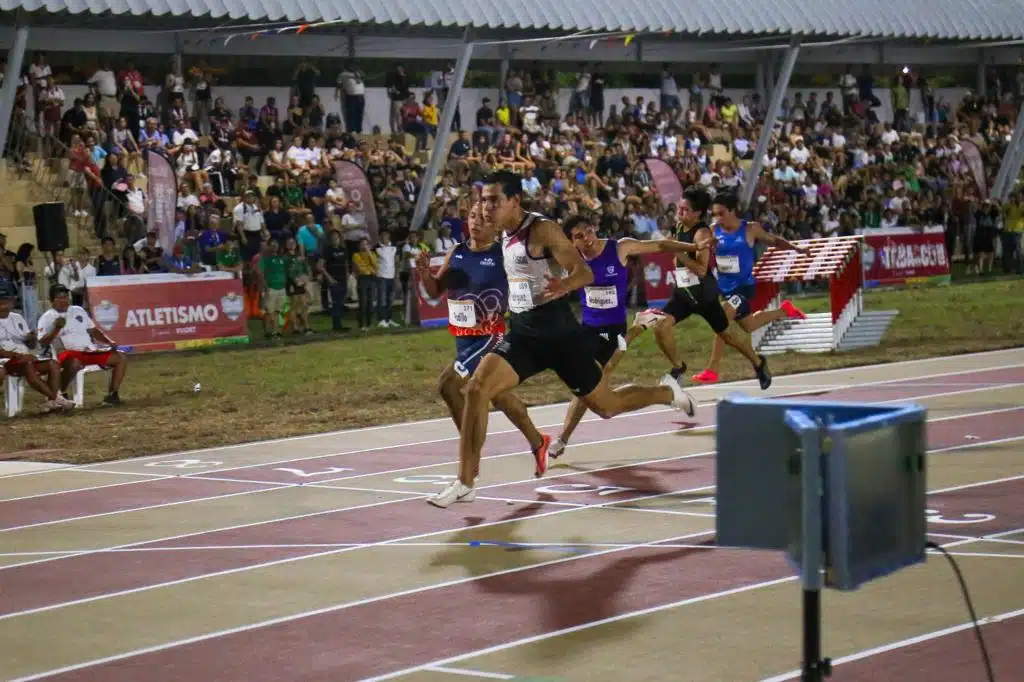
x=462 y=314
x=601 y=298
x=685 y=278
x=730 y=265
x=520 y=298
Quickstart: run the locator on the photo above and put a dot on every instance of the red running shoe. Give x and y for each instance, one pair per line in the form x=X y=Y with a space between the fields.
x=540 y=455
x=792 y=312
x=706 y=377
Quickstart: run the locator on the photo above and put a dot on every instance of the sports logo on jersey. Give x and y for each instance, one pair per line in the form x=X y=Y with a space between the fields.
x=521 y=260
x=487 y=261
x=611 y=269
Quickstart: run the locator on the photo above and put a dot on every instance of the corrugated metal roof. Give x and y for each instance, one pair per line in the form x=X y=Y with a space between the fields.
x=906 y=19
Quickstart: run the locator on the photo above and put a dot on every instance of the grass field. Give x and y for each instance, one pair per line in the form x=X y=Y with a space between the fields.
x=329 y=383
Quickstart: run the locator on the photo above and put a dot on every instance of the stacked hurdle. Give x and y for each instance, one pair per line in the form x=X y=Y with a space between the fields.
x=835 y=260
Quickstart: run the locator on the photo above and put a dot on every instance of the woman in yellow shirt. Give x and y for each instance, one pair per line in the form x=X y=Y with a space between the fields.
x=430 y=113
x=364 y=262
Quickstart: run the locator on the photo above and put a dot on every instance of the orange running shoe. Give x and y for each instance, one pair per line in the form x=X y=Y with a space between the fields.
x=540 y=455
x=792 y=312
x=706 y=377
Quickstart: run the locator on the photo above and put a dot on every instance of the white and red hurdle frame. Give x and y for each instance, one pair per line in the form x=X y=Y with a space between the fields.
x=836 y=260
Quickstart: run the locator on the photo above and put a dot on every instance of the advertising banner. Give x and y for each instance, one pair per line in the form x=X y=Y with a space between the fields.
x=144 y=313
x=905 y=255
x=352 y=181
x=670 y=190
x=430 y=312
x=658 y=268
x=162 y=188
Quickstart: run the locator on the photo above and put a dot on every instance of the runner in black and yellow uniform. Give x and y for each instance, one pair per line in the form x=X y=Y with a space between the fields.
x=696 y=293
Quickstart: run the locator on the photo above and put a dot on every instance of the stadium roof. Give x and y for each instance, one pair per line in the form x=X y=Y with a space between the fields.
x=960 y=20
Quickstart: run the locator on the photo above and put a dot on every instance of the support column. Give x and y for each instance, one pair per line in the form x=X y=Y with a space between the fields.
x=982 y=84
x=351 y=49
x=439 y=154
x=1010 y=166
x=759 y=79
x=178 y=60
x=502 y=77
x=15 y=61
x=774 y=106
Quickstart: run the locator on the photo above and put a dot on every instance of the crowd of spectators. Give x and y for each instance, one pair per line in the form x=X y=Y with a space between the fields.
x=257 y=194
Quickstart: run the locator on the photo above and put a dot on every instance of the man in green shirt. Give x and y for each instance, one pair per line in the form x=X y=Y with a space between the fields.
x=228 y=259
x=274 y=275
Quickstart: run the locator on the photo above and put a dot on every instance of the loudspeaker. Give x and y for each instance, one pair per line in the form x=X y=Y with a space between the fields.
x=51 y=226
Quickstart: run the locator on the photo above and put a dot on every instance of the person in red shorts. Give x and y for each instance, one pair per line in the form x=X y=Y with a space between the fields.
x=80 y=343
x=18 y=359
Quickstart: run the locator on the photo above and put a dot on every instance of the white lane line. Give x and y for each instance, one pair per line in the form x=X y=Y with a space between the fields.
x=339 y=607
x=718 y=388
x=472 y=673
x=206 y=474
x=904 y=643
x=415 y=495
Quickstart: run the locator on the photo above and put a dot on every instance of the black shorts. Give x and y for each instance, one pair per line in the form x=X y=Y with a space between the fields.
x=606 y=341
x=705 y=304
x=740 y=299
x=569 y=355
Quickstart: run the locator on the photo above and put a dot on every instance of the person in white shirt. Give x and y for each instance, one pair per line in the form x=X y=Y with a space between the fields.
x=250 y=226
x=74 y=274
x=105 y=82
x=80 y=343
x=18 y=359
x=387 y=254
x=444 y=241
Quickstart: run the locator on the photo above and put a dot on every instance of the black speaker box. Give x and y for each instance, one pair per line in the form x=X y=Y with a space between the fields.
x=51 y=226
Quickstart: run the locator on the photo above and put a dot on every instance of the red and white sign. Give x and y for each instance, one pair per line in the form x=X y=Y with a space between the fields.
x=902 y=255
x=430 y=312
x=169 y=311
x=658 y=269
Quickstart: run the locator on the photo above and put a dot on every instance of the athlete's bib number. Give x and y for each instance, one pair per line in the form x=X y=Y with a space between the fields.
x=730 y=265
x=520 y=298
x=601 y=298
x=462 y=314
x=685 y=278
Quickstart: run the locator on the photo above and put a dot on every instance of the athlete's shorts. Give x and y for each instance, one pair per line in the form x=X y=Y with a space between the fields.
x=470 y=350
x=682 y=305
x=16 y=368
x=568 y=355
x=606 y=341
x=86 y=357
x=740 y=299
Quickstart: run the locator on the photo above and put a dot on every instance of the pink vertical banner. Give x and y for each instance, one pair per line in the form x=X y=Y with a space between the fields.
x=352 y=181
x=162 y=191
x=665 y=181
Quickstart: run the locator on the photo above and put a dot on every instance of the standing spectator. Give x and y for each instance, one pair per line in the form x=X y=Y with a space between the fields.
x=333 y=268
x=387 y=254
x=274 y=277
x=398 y=92
x=297 y=286
x=73 y=277
x=351 y=92
x=249 y=225
x=364 y=262
x=305 y=82
x=26 y=278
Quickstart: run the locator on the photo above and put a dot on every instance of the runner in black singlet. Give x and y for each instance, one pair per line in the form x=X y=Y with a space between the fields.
x=696 y=293
x=542 y=267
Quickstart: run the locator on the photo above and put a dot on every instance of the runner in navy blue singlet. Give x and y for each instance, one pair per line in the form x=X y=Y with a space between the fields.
x=473 y=275
x=603 y=301
x=734 y=258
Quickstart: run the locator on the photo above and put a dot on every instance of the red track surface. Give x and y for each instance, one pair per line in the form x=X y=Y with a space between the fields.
x=395 y=633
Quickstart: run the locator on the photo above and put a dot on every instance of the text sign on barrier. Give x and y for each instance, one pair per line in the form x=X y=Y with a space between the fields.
x=900 y=256
x=169 y=311
x=871 y=487
x=430 y=312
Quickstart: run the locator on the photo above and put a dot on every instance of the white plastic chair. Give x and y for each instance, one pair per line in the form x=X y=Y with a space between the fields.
x=78 y=392
x=14 y=395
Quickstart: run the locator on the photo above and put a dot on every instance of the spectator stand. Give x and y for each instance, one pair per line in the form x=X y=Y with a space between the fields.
x=836 y=261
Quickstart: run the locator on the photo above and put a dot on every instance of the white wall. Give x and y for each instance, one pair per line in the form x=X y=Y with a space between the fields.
x=377 y=106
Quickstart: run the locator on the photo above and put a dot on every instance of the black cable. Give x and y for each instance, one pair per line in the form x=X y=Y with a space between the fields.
x=970 y=608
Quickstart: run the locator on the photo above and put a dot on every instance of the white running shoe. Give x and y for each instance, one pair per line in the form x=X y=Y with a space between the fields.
x=556 y=449
x=457 y=491
x=681 y=400
x=62 y=402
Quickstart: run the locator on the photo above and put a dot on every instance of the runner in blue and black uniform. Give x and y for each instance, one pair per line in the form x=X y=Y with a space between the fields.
x=696 y=292
x=734 y=258
x=603 y=303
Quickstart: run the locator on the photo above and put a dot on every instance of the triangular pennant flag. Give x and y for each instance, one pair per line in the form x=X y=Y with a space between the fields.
x=229 y=39
x=592 y=43
x=302 y=29
x=629 y=39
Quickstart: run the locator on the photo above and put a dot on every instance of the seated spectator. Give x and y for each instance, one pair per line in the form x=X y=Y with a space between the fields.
x=80 y=343
x=19 y=356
